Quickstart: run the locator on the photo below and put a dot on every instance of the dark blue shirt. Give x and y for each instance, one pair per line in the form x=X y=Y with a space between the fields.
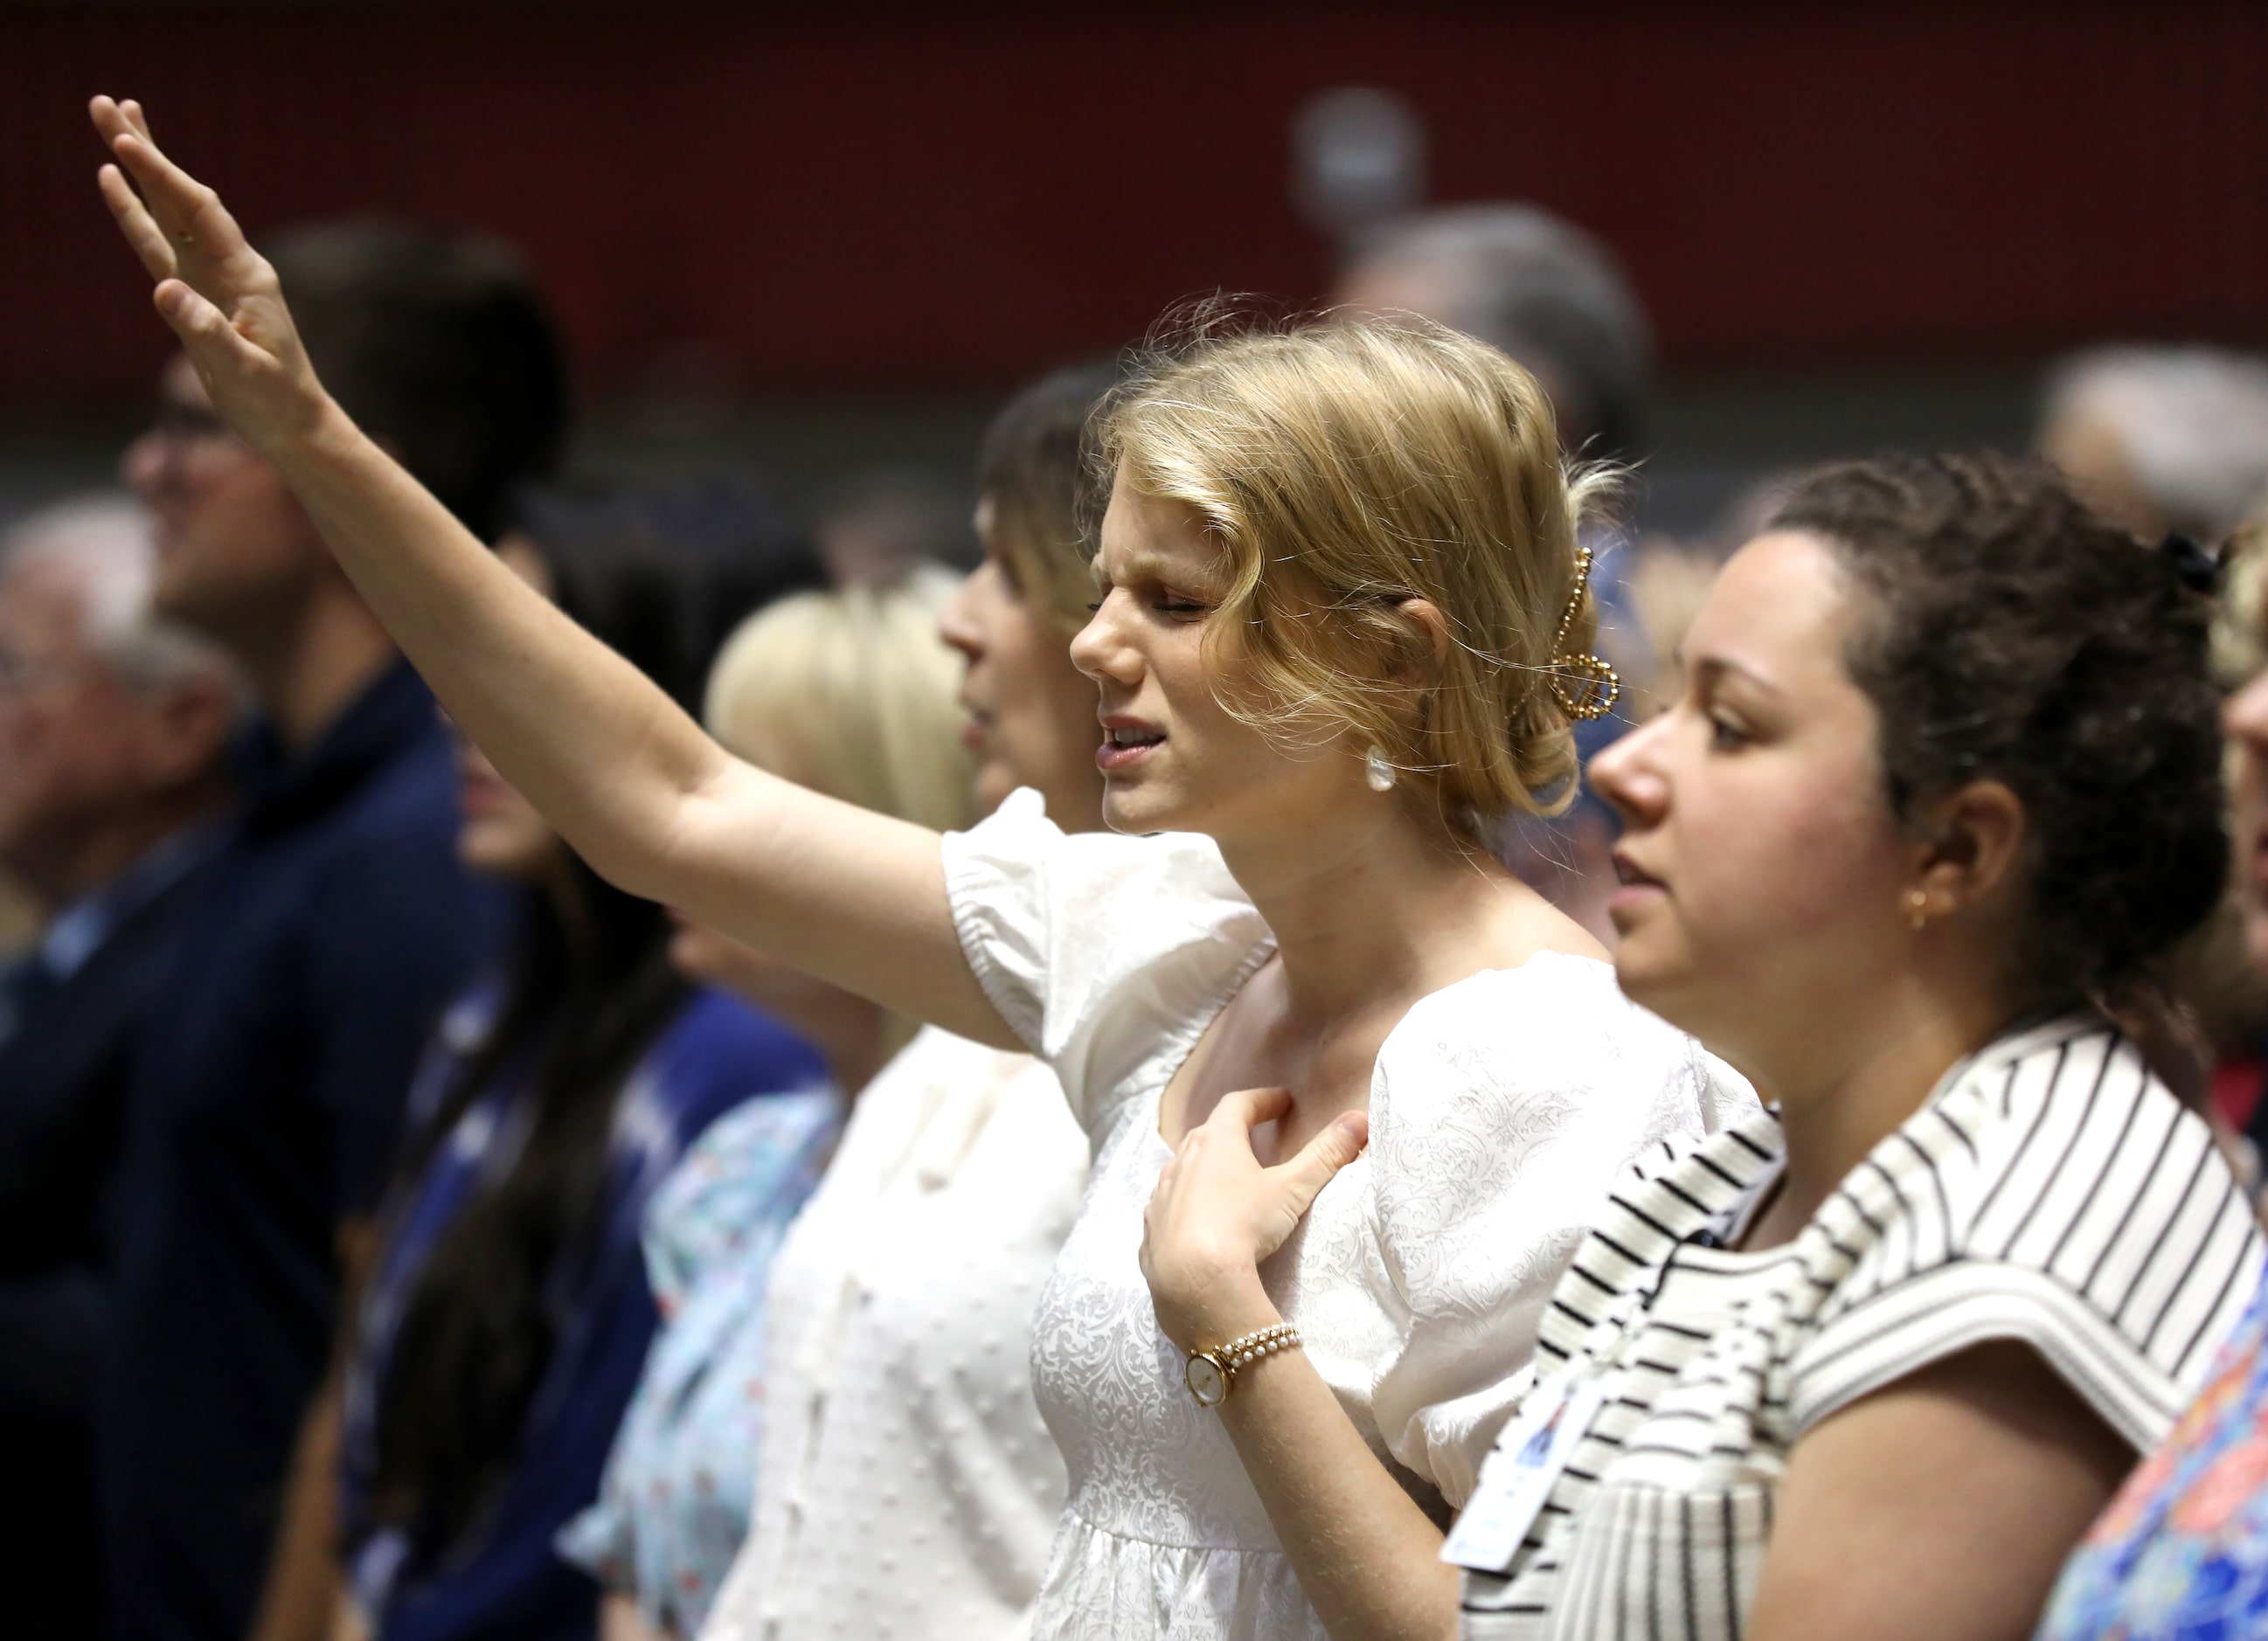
x=715 y=1055
x=68 y=1011
x=263 y=1112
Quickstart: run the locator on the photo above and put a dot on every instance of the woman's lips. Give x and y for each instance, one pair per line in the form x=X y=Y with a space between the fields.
x=1637 y=885
x=1125 y=745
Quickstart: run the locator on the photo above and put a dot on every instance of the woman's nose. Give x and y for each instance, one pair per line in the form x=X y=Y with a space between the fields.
x=1096 y=649
x=1626 y=775
x=956 y=623
x=2245 y=717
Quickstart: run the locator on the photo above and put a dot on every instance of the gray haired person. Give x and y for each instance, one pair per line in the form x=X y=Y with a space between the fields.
x=113 y=727
x=1534 y=285
x=2161 y=440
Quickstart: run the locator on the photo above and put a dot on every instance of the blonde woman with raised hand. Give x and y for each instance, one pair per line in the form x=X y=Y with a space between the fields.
x=1341 y=626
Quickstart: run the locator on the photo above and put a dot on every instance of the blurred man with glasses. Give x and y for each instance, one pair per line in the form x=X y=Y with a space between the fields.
x=336 y=922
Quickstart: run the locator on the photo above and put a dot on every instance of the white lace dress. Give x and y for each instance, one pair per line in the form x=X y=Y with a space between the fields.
x=1501 y=1109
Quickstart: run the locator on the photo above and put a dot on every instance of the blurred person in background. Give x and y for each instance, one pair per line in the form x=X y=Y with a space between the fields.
x=877 y=526
x=112 y=730
x=2161 y=440
x=1533 y=285
x=2181 y=1553
x=332 y=926
x=508 y=1311
x=2220 y=1025
x=899 y=1402
x=1553 y=298
x=847 y=693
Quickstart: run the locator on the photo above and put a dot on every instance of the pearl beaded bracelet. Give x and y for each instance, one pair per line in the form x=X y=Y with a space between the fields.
x=1211 y=1375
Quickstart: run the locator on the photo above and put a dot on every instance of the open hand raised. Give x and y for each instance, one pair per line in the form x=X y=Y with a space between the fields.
x=218 y=294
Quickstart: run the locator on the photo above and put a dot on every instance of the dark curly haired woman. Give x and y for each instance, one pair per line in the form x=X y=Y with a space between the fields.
x=1940 y=786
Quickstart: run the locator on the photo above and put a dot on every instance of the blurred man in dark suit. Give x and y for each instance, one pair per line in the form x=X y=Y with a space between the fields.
x=113 y=727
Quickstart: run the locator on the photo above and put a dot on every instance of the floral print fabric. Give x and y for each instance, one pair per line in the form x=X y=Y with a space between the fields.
x=2182 y=1551
x=675 y=1502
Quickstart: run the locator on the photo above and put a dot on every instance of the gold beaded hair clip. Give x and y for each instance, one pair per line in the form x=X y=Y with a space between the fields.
x=1584 y=685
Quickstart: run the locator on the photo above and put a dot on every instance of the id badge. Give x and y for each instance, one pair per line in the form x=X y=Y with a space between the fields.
x=1517 y=1475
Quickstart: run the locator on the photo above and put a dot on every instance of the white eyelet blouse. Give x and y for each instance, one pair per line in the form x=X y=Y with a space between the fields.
x=1501 y=1109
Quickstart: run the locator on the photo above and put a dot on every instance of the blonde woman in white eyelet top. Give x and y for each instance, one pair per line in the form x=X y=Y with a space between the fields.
x=1330 y=550
x=1500 y=1109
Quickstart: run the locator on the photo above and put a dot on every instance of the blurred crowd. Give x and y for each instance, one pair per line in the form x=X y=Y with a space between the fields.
x=405 y=1232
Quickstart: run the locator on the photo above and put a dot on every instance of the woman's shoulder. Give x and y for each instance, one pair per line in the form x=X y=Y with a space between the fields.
x=715 y=1055
x=1507 y=1105
x=2042 y=1129
x=718 y=1047
x=1554 y=1036
x=2052 y=1190
x=1105 y=955
x=1024 y=893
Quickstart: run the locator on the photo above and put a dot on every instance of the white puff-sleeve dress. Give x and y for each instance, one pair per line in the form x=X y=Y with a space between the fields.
x=1502 y=1108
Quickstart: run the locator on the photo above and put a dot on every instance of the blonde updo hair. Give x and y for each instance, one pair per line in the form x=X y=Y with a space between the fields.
x=852 y=693
x=1346 y=466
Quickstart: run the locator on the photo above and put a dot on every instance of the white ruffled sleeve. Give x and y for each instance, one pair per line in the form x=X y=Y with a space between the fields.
x=1108 y=955
x=1502 y=1110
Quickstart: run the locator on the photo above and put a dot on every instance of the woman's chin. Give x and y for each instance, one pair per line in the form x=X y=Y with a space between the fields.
x=1130 y=808
x=1648 y=974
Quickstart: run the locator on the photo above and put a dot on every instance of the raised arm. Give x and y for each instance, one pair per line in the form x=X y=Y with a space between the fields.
x=628 y=778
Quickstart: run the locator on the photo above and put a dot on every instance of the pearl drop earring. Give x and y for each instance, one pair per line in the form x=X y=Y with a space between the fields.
x=1378 y=771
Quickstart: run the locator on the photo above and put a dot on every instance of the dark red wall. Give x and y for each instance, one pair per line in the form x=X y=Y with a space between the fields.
x=863 y=194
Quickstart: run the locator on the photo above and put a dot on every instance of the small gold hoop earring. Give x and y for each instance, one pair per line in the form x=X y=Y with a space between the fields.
x=1918 y=909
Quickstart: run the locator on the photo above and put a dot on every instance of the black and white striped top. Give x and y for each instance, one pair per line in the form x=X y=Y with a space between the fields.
x=2051 y=1191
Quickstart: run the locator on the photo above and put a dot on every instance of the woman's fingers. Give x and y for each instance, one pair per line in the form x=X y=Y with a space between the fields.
x=204 y=238
x=191 y=213
x=110 y=117
x=1248 y=1107
x=134 y=221
x=1304 y=1177
x=213 y=343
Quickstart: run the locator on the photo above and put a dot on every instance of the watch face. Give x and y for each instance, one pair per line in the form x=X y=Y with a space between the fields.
x=1206 y=1382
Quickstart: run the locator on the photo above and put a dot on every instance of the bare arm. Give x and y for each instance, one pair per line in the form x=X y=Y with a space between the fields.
x=620 y=1620
x=300 y=1600
x=629 y=780
x=1961 y=1487
x=1367 y=1557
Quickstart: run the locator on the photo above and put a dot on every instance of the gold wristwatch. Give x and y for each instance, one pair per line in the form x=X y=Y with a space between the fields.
x=1211 y=1374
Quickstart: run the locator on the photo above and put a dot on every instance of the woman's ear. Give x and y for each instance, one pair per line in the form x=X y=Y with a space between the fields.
x=1425 y=616
x=1975 y=834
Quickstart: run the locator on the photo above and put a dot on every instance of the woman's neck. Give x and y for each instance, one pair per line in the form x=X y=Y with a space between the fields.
x=1375 y=905
x=1845 y=1085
